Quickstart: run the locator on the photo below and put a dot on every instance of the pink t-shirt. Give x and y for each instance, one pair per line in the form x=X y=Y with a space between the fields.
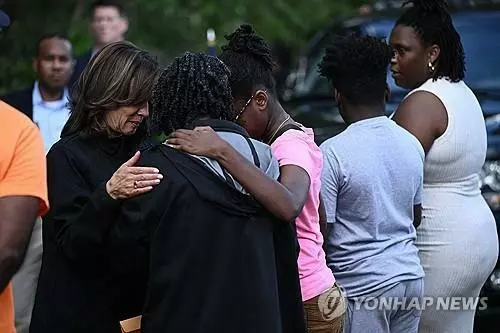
x=295 y=147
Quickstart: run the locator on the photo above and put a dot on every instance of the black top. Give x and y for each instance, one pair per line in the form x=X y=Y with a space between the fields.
x=78 y=289
x=209 y=251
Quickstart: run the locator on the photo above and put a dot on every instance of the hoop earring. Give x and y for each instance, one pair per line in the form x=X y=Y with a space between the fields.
x=431 y=67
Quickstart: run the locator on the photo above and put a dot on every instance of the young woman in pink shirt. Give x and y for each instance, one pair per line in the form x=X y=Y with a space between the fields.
x=296 y=198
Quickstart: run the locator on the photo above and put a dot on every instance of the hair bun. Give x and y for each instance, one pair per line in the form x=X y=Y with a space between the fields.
x=241 y=40
x=246 y=41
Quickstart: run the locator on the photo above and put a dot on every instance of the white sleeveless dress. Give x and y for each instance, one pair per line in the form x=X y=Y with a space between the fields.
x=457 y=240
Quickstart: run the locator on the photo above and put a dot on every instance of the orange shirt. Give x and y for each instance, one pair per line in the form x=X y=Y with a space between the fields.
x=22 y=172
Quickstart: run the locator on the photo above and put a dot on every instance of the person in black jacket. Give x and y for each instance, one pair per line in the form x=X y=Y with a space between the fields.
x=91 y=170
x=207 y=245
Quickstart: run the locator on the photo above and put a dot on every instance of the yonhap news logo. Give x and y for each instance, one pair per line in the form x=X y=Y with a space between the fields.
x=332 y=304
x=450 y=303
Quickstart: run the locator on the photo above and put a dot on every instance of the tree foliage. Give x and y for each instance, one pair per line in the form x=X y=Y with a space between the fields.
x=165 y=27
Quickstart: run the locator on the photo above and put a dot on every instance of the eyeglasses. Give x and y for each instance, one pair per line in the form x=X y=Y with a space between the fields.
x=245 y=106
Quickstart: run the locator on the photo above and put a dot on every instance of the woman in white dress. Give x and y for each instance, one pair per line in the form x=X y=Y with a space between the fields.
x=457 y=239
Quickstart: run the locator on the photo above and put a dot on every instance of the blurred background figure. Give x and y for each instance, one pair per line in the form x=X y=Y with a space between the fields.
x=46 y=100
x=108 y=24
x=46 y=103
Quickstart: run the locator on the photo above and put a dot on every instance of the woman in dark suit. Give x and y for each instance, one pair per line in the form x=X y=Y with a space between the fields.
x=90 y=171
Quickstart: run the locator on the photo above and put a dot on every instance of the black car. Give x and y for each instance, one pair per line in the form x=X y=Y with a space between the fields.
x=310 y=99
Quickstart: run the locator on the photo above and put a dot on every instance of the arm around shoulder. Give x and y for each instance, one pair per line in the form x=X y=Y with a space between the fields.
x=283 y=199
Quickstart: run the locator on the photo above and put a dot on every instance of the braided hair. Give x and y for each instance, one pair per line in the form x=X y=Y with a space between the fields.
x=432 y=22
x=357 y=67
x=250 y=60
x=192 y=87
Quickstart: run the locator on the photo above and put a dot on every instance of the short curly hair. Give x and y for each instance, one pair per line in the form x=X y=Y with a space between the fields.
x=250 y=60
x=357 y=67
x=194 y=86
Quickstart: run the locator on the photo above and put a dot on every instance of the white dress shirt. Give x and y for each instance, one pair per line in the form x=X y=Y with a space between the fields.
x=50 y=117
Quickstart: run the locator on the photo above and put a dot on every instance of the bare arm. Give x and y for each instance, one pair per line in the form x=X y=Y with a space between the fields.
x=423 y=115
x=17 y=217
x=23 y=196
x=284 y=199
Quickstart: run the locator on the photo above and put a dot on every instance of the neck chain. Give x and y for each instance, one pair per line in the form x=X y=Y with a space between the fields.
x=279 y=127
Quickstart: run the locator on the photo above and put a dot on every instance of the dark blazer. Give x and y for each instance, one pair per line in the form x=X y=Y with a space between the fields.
x=21 y=100
x=81 y=63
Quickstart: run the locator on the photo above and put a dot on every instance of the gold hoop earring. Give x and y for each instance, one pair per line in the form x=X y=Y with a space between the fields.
x=431 y=67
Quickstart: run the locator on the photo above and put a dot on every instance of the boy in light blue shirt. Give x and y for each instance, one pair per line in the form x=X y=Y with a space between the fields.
x=371 y=186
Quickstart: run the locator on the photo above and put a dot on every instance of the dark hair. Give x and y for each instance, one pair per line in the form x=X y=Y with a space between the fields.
x=432 y=22
x=108 y=3
x=357 y=67
x=120 y=74
x=250 y=60
x=46 y=37
x=193 y=86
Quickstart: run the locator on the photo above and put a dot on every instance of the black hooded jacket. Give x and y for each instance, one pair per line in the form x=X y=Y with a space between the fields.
x=215 y=260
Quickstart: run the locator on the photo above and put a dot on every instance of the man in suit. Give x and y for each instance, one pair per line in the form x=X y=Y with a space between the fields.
x=46 y=103
x=108 y=24
x=46 y=100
